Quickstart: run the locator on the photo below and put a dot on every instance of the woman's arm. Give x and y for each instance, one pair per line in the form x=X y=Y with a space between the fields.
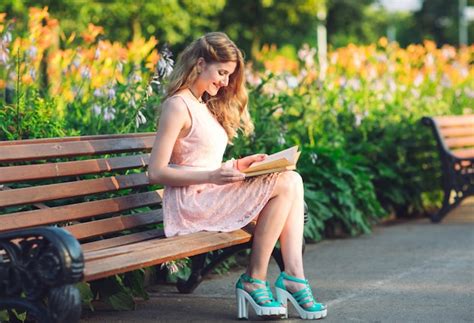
x=174 y=119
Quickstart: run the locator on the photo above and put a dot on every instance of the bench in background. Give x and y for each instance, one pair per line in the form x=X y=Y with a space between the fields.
x=455 y=140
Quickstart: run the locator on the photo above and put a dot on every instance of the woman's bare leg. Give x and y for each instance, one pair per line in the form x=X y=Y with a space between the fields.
x=291 y=237
x=271 y=223
x=291 y=241
x=283 y=218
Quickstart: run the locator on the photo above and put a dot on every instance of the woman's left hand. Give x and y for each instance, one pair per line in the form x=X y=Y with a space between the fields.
x=245 y=162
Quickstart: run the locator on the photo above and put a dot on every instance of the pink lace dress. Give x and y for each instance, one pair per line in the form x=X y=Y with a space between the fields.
x=209 y=207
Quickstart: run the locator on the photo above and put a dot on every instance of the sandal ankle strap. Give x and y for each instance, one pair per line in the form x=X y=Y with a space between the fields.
x=246 y=278
x=293 y=278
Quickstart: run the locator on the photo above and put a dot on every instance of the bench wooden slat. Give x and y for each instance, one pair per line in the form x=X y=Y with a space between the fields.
x=122 y=240
x=164 y=250
x=454 y=121
x=457 y=132
x=75 y=138
x=71 y=168
x=464 y=153
x=44 y=193
x=123 y=249
x=127 y=249
x=459 y=142
x=76 y=148
x=73 y=212
x=115 y=224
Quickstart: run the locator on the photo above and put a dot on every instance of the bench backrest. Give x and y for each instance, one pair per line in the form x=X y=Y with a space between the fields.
x=94 y=186
x=455 y=134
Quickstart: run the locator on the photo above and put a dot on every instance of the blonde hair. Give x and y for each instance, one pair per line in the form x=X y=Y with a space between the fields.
x=229 y=105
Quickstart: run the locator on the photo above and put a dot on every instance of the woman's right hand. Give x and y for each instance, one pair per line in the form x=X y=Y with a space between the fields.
x=225 y=175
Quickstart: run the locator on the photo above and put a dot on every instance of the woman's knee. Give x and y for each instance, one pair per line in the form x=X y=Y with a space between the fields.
x=289 y=183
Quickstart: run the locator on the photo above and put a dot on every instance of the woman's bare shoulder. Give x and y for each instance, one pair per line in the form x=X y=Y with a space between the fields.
x=174 y=104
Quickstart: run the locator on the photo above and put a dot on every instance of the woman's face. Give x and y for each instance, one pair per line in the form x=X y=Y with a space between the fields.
x=215 y=75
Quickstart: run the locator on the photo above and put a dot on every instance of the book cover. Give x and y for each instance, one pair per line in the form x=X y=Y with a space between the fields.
x=277 y=162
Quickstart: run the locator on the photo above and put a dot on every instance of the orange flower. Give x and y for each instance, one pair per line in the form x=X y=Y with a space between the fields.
x=92 y=32
x=383 y=42
x=152 y=60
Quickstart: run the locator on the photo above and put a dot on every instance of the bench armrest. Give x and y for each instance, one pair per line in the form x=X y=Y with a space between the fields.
x=37 y=263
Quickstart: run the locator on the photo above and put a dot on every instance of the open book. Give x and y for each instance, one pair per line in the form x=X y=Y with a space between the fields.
x=277 y=162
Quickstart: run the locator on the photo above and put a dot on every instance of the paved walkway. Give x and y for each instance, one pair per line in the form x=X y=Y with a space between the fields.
x=411 y=271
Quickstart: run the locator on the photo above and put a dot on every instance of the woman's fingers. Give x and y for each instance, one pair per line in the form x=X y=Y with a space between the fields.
x=231 y=175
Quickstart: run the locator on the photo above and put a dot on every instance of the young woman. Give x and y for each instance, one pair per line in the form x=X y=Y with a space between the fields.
x=205 y=106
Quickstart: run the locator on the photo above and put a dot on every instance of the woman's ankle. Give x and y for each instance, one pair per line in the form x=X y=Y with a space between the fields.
x=297 y=273
x=256 y=275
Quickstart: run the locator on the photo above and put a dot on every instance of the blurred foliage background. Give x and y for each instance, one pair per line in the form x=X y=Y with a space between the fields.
x=251 y=23
x=79 y=67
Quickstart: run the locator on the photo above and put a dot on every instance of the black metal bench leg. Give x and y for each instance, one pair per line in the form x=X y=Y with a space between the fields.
x=276 y=254
x=203 y=264
x=64 y=303
x=197 y=265
x=445 y=208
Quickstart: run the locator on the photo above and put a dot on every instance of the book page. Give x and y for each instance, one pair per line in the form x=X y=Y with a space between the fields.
x=271 y=170
x=280 y=159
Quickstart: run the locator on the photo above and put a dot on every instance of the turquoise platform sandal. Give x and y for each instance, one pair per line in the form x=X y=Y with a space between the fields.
x=261 y=299
x=299 y=298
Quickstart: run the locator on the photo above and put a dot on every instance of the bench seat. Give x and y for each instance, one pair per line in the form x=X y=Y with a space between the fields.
x=82 y=208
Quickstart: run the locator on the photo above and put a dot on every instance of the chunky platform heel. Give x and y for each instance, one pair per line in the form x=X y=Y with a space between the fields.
x=299 y=298
x=260 y=299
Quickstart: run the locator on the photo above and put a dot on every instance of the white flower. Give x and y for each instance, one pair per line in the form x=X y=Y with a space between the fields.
x=133 y=103
x=136 y=78
x=418 y=80
x=291 y=81
x=111 y=93
x=281 y=139
x=429 y=60
x=109 y=114
x=86 y=73
x=313 y=156
x=97 y=53
x=32 y=52
x=306 y=54
x=96 y=109
x=358 y=120
x=149 y=90
x=392 y=86
x=354 y=84
x=97 y=93
x=140 y=119
x=3 y=56
x=33 y=74
x=469 y=93
x=445 y=81
x=165 y=63
x=7 y=37
x=76 y=62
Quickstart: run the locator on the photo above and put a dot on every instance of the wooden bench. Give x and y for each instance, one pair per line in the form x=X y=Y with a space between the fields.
x=81 y=208
x=455 y=140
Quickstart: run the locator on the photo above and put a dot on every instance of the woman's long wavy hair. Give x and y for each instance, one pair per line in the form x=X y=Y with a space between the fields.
x=229 y=105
